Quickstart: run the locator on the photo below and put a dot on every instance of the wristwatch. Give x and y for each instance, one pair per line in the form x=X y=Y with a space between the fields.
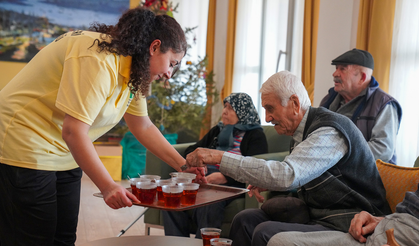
x=184 y=167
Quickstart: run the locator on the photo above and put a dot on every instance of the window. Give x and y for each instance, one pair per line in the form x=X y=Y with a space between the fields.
x=404 y=72
x=268 y=40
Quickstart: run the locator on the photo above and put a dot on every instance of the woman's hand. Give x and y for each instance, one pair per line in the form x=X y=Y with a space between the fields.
x=118 y=197
x=216 y=178
x=363 y=224
x=255 y=191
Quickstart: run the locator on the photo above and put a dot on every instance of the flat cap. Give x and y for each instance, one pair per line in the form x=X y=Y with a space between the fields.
x=355 y=57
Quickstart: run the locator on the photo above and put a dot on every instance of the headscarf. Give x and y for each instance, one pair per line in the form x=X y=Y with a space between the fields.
x=245 y=110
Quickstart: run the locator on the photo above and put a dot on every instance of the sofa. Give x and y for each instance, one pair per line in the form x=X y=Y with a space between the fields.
x=278 y=148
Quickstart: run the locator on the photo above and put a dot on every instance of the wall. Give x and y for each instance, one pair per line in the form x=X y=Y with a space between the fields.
x=9 y=69
x=337 y=34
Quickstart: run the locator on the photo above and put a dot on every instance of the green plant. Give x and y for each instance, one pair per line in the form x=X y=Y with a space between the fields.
x=180 y=104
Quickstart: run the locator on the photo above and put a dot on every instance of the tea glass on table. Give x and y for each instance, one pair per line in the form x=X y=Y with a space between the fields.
x=172 y=195
x=133 y=184
x=160 y=183
x=209 y=233
x=146 y=192
x=153 y=178
x=221 y=242
x=189 y=193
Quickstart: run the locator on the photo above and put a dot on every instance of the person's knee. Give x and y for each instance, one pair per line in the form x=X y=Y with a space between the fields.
x=262 y=233
x=244 y=216
x=280 y=239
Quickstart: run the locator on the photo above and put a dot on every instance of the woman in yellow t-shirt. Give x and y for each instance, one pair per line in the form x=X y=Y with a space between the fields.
x=72 y=92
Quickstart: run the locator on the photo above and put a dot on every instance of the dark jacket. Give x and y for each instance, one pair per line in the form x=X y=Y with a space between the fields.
x=253 y=143
x=367 y=111
x=352 y=185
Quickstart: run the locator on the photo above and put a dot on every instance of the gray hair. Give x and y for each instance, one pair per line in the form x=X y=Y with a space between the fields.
x=285 y=84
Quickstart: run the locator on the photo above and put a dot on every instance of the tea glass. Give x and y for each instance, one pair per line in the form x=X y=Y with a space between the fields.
x=160 y=183
x=153 y=178
x=221 y=242
x=179 y=180
x=191 y=176
x=189 y=193
x=209 y=233
x=146 y=192
x=133 y=184
x=172 y=195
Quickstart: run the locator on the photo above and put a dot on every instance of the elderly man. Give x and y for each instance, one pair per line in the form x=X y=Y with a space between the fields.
x=356 y=95
x=330 y=165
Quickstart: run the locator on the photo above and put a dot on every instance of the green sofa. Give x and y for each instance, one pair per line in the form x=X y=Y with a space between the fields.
x=278 y=148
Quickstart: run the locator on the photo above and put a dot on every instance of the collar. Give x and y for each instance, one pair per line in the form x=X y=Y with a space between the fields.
x=125 y=66
x=298 y=134
x=125 y=71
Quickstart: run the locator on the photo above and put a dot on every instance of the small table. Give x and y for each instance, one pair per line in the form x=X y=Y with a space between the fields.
x=146 y=241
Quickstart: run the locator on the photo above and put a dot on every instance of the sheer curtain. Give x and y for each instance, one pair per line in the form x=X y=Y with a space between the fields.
x=259 y=39
x=404 y=74
x=192 y=13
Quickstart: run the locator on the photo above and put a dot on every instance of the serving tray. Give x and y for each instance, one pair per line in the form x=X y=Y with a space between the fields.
x=207 y=194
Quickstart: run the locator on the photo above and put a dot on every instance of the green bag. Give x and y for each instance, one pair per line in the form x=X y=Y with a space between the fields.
x=134 y=154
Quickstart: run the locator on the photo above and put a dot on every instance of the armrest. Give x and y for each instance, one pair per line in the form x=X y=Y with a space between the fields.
x=153 y=165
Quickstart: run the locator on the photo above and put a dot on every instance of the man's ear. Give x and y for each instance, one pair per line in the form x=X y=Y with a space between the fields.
x=154 y=46
x=295 y=103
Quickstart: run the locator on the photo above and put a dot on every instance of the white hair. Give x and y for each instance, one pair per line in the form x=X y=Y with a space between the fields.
x=285 y=84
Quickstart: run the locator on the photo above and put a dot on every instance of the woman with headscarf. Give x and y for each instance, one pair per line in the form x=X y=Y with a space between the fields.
x=239 y=132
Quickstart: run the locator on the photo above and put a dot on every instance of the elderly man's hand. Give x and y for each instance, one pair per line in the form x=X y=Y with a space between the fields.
x=255 y=191
x=363 y=224
x=201 y=157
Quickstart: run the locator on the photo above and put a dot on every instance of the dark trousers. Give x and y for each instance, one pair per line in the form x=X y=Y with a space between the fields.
x=38 y=207
x=253 y=227
x=179 y=223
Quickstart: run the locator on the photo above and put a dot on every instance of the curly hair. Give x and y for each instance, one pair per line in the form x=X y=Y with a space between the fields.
x=132 y=36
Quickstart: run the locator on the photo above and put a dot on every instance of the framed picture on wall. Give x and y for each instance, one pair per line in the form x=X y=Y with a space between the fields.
x=26 y=26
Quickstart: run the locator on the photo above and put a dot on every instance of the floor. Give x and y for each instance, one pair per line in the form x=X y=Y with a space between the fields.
x=97 y=220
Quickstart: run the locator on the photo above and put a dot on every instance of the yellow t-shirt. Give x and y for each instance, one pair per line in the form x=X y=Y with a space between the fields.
x=69 y=76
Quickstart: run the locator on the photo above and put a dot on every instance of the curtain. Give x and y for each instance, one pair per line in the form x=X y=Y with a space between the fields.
x=311 y=23
x=261 y=35
x=206 y=122
x=375 y=32
x=404 y=73
x=231 y=34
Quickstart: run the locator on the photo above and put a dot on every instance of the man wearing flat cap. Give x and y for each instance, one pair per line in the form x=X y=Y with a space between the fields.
x=356 y=95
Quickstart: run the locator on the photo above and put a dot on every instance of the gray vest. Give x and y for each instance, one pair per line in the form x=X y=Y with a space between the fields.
x=349 y=187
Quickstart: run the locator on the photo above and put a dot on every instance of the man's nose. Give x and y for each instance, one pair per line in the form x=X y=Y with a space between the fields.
x=268 y=118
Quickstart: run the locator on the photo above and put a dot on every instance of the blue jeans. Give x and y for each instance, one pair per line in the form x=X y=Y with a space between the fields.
x=38 y=207
x=179 y=223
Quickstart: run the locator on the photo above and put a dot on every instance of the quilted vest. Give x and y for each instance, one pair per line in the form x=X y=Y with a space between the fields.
x=349 y=187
